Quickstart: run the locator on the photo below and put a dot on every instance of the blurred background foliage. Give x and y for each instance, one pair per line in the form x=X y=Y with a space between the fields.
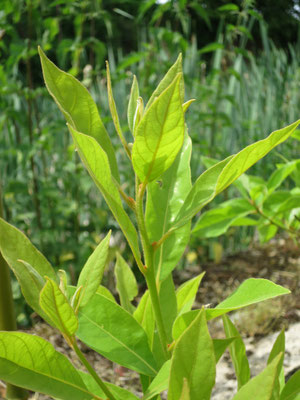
x=241 y=64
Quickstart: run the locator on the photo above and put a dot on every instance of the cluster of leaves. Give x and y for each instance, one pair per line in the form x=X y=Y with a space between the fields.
x=263 y=204
x=163 y=339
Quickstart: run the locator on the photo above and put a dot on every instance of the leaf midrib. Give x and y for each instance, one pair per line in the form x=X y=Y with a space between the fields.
x=120 y=342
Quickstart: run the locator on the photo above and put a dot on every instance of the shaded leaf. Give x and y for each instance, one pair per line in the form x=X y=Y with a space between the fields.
x=125 y=283
x=237 y=352
x=194 y=363
x=262 y=385
x=164 y=199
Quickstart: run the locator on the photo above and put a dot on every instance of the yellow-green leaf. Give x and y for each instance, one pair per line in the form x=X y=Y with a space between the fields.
x=91 y=275
x=159 y=135
x=56 y=306
x=78 y=107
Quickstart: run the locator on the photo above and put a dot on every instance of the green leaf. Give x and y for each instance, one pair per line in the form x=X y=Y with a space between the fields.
x=279 y=347
x=251 y=291
x=106 y=293
x=237 y=351
x=185 y=393
x=160 y=382
x=113 y=109
x=118 y=392
x=159 y=135
x=291 y=390
x=167 y=80
x=280 y=175
x=196 y=363
x=262 y=385
x=31 y=362
x=96 y=162
x=91 y=275
x=20 y=254
x=216 y=222
x=211 y=47
x=145 y=317
x=132 y=105
x=111 y=331
x=217 y=178
x=164 y=200
x=220 y=345
x=168 y=302
x=125 y=283
x=78 y=107
x=56 y=306
x=186 y=294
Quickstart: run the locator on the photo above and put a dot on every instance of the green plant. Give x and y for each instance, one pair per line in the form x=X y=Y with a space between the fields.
x=263 y=204
x=162 y=339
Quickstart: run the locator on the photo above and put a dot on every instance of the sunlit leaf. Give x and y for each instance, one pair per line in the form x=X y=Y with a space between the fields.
x=91 y=275
x=78 y=107
x=159 y=135
x=56 y=306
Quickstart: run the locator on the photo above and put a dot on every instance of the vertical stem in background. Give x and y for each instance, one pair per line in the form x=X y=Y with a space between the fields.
x=7 y=314
x=30 y=124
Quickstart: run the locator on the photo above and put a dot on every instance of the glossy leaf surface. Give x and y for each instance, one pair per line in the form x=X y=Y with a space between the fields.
x=78 y=107
x=91 y=275
x=56 y=306
x=194 y=363
x=113 y=332
x=33 y=363
x=159 y=135
x=96 y=162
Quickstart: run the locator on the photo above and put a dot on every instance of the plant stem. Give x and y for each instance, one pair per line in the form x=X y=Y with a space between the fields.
x=92 y=372
x=149 y=272
x=7 y=314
